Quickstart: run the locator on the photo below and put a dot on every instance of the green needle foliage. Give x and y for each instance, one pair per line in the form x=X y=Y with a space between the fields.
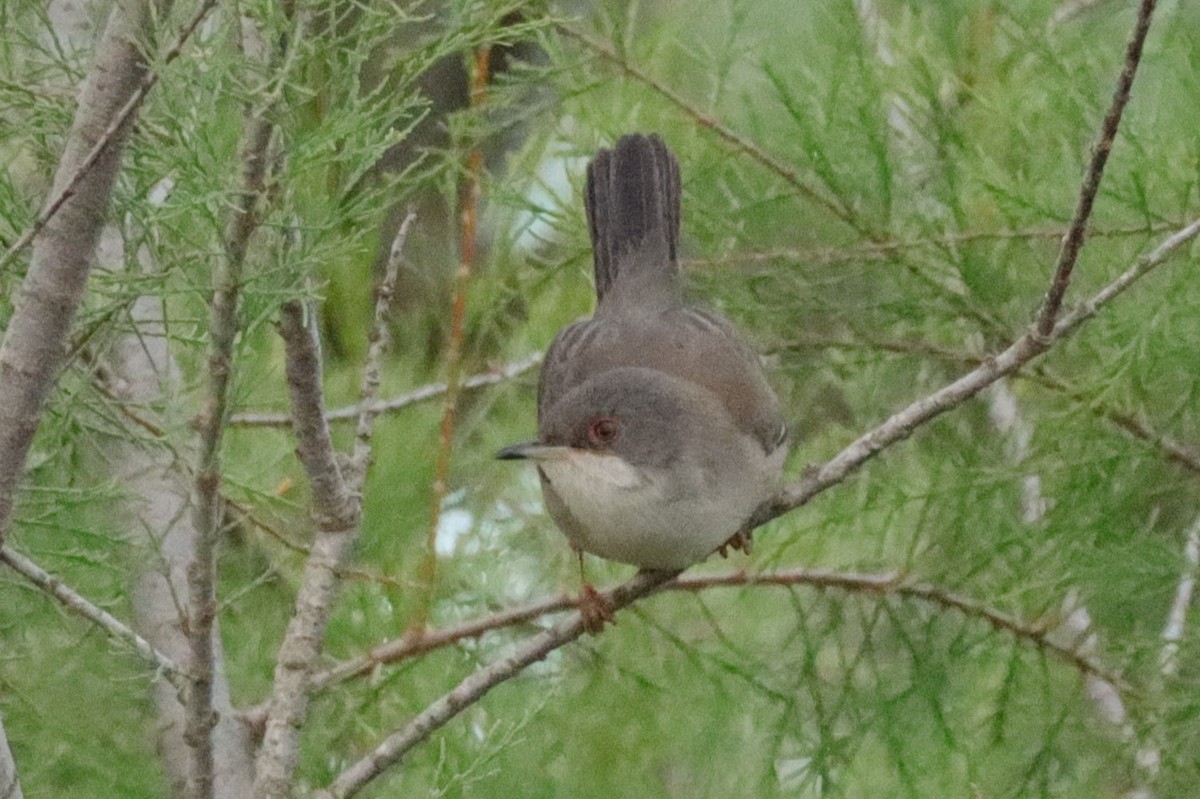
x=876 y=190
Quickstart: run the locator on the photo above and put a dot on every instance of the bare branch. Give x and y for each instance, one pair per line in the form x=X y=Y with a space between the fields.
x=902 y=424
x=75 y=602
x=1073 y=243
x=1038 y=634
x=1171 y=448
x=337 y=508
x=350 y=413
x=32 y=352
x=334 y=501
x=474 y=686
x=410 y=646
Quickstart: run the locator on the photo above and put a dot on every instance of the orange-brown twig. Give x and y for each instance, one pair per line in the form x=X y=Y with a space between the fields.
x=468 y=205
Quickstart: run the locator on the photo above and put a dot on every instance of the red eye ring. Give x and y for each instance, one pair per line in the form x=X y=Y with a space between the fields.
x=603 y=431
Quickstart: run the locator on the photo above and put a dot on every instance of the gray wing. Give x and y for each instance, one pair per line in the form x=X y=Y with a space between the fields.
x=719 y=358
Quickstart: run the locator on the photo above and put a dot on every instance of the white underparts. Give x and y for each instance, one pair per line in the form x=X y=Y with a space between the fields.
x=627 y=514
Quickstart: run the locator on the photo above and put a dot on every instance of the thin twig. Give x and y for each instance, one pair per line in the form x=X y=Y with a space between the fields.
x=894 y=584
x=1069 y=253
x=368 y=397
x=1171 y=448
x=349 y=413
x=409 y=646
x=468 y=202
x=344 y=572
x=473 y=687
x=875 y=249
x=738 y=142
x=149 y=79
x=75 y=602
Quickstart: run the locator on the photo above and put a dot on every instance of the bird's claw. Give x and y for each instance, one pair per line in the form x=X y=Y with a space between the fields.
x=595 y=609
x=742 y=539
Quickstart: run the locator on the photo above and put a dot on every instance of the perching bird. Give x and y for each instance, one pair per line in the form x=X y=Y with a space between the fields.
x=658 y=434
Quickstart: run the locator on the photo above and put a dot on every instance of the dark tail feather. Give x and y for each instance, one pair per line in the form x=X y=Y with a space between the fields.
x=632 y=204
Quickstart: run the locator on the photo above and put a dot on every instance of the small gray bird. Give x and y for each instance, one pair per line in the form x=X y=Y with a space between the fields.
x=658 y=434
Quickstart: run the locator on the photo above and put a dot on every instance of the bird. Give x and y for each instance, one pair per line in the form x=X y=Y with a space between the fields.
x=659 y=434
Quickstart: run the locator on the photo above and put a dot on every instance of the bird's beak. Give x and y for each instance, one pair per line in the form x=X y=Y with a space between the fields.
x=534 y=451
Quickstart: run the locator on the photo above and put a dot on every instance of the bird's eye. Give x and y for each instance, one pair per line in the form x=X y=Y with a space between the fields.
x=603 y=431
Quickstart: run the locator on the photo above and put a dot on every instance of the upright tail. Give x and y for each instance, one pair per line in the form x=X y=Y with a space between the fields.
x=632 y=201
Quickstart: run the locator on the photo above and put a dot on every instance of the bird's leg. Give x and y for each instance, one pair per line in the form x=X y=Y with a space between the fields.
x=594 y=607
x=743 y=539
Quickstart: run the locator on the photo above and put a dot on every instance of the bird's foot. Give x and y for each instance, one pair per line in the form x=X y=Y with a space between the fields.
x=595 y=608
x=742 y=539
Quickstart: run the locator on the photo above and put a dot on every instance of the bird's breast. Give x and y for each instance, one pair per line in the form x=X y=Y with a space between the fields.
x=609 y=508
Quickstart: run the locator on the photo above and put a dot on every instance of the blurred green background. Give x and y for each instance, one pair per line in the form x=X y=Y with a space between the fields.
x=924 y=161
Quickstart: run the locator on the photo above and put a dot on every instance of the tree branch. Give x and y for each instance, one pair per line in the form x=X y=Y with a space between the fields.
x=430 y=391
x=1171 y=448
x=878 y=584
x=1073 y=243
x=474 y=686
x=368 y=396
x=76 y=603
x=902 y=424
x=338 y=507
x=207 y=511
x=32 y=352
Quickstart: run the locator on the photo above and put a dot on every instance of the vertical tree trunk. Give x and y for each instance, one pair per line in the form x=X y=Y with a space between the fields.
x=32 y=353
